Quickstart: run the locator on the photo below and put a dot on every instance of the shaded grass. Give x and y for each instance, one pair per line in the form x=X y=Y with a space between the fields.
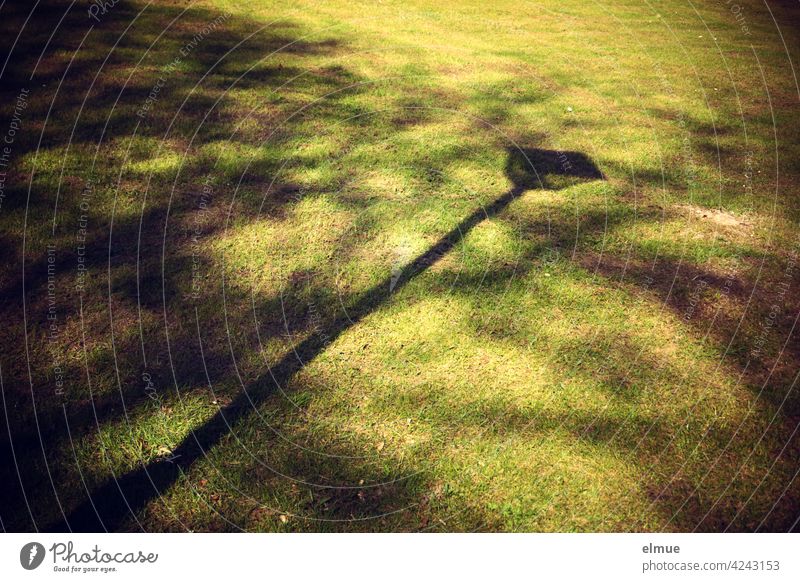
x=351 y=263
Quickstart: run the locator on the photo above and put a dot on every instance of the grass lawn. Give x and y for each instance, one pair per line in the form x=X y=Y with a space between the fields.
x=401 y=266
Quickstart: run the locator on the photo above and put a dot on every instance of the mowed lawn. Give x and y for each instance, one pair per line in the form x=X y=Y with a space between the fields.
x=401 y=266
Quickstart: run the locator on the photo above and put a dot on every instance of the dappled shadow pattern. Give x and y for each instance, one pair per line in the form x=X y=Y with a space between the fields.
x=124 y=241
x=113 y=502
x=147 y=251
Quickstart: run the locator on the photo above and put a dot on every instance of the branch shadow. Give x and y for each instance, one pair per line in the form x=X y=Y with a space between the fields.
x=115 y=501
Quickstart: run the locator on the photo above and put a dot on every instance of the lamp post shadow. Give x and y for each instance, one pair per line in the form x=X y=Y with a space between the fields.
x=119 y=499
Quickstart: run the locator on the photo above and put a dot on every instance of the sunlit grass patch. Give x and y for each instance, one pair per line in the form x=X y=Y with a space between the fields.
x=338 y=237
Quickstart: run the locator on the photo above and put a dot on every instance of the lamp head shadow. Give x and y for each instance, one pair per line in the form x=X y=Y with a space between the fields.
x=541 y=169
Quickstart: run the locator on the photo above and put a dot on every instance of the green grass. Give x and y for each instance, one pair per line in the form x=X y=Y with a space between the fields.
x=592 y=357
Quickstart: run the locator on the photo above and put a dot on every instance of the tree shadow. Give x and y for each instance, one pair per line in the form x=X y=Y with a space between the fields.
x=125 y=239
x=148 y=254
x=113 y=502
